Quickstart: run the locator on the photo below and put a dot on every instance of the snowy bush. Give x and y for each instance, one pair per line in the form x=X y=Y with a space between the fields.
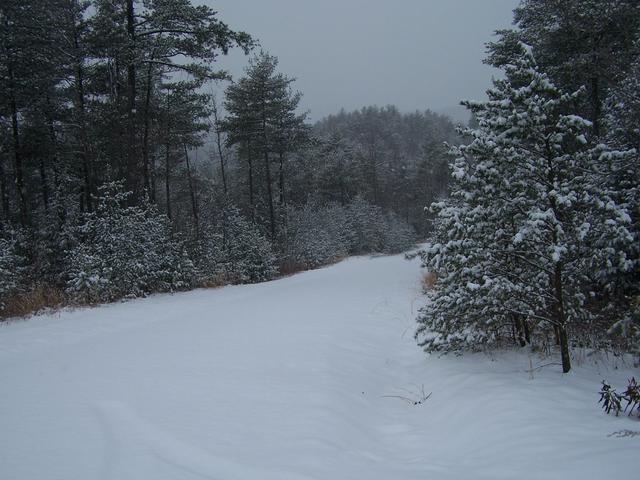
x=335 y=220
x=11 y=268
x=316 y=235
x=246 y=256
x=627 y=328
x=622 y=122
x=374 y=231
x=367 y=225
x=206 y=252
x=125 y=251
x=397 y=235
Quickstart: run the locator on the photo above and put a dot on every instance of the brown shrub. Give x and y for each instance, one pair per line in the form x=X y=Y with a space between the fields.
x=219 y=280
x=35 y=300
x=429 y=281
x=290 y=267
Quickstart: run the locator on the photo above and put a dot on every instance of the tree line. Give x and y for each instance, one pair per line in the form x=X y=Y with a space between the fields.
x=130 y=164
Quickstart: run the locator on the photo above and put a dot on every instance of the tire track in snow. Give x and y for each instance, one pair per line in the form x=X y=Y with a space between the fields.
x=138 y=449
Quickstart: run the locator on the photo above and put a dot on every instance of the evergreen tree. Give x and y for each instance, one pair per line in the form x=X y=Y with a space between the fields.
x=262 y=115
x=529 y=228
x=578 y=43
x=246 y=254
x=125 y=251
x=29 y=75
x=622 y=122
x=11 y=267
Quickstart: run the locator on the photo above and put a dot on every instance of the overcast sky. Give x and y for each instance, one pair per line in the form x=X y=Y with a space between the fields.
x=414 y=54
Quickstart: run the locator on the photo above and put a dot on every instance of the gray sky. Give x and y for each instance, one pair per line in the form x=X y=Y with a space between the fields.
x=414 y=54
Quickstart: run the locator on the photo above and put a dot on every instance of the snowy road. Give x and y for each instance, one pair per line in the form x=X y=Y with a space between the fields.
x=299 y=378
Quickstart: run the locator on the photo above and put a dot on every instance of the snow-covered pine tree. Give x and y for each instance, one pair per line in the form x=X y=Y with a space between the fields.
x=366 y=224
x=308 y=243
x=622 y=125
x=316 y=235
x=262 y=116
x=374 y=230
x=398 y=236
x=125 y=251
x=521 y=239
x=11 y=267
x=247 y=255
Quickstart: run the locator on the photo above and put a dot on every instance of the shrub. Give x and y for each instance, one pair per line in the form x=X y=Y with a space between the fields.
x=125 y=251
x=11 y=268
x=316 y=235
x=374 y=231
x=37 y=298
x=611 y=401
x=397 y=235
x=246 y=256
x=367 y=226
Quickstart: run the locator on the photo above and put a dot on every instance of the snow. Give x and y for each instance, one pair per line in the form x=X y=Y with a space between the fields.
x=309 y=377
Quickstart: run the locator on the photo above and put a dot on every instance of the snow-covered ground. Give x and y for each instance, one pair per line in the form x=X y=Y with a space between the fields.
x=307 y=377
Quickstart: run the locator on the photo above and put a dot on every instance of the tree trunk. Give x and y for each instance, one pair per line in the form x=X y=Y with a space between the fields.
x=3 y=191
x=560 y=318
x=43 y=184
x=83 y=154
x=167 y=171
x=596 y=105
x=145 y=136
x=272 y=217
x=281 y=178
x=219 y=145
x=564 y=350
x=267 y=167
x=527 y=332
x=18 y=165
x=152 y=173
x=250 y=162
x=130 y=174
x=374 y=175
x=519 y=330
x=87 y=172
x=192 y=193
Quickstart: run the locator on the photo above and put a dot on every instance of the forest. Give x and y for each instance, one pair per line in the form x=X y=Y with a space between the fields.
x=130 y=164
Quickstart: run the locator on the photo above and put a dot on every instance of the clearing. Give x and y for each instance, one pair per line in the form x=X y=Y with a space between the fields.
x=308 y=377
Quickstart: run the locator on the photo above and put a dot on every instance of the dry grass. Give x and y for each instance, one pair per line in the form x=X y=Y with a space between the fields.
x=39 y=298
x=214 y=282
x=429 y=281
x=288 y=268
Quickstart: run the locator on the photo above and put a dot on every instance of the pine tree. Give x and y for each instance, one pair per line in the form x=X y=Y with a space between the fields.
x=246 y=254
x=522 y=238
x=262 y=116
x=11 y=267
x=578 y=43
x=622 y=123
x=125 y=251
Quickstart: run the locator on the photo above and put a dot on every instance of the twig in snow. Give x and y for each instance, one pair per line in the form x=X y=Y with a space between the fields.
x=412 y=401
